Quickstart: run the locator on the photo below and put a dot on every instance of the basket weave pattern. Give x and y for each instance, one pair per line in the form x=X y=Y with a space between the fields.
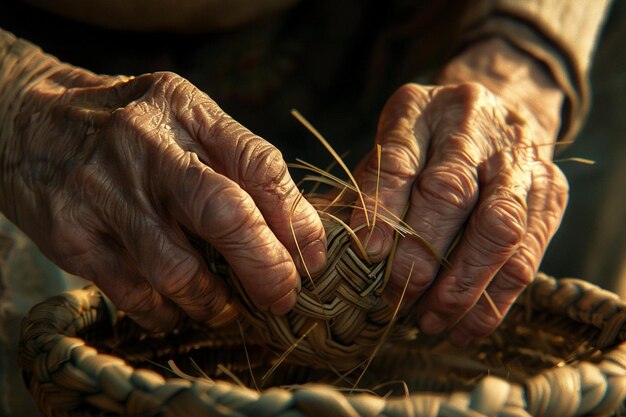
x=341 y=311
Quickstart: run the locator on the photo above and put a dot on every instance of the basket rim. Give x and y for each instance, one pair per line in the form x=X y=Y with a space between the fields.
x=55 y=361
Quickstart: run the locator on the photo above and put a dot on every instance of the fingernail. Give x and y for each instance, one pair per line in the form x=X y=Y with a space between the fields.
x=431 y=323
x=285 y=303
x=314 y=255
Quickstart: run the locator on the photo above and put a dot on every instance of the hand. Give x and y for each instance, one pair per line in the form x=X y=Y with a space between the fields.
x=474 y=163
x=106 y=173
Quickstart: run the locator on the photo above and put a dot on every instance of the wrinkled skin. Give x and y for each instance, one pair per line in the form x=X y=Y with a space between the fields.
x=108 y=174
x=470 y=162
x=105 y=173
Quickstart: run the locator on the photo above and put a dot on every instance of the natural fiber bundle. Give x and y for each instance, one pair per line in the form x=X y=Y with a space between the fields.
x=559 y=352
x=340 y=317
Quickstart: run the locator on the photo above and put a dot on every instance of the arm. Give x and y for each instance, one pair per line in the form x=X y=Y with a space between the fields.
x=106 y=174
x=471 y=158
x=560 y=34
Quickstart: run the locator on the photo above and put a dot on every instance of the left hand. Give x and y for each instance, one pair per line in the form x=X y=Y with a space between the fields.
x=472 y=160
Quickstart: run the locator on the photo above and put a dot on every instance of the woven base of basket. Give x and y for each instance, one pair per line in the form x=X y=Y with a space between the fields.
x=559 y=352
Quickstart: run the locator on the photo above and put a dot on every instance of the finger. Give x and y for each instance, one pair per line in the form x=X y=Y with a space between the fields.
x=403 y=139
x=293 y=219
x=219 y=211
x=258 y=167
x=493 y=233
x=160 y=251
x=173 y=268
x=441 y=201
x=115 y=273
x=141 y=302
x=546 y=204
x=446 y=191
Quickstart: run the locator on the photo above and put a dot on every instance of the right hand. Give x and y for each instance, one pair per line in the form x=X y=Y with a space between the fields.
x=105 y=173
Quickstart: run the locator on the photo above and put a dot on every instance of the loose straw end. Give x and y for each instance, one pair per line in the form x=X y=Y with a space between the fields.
x=295 y=113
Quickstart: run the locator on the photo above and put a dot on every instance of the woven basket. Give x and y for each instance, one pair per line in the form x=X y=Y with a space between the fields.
x=559 y=352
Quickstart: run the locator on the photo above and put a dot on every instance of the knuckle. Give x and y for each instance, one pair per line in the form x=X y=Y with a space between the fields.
x=183 y=281
x=462 y=105
x=463 y=149
x=268 y=294
x=482 y=322
x=140 y=301
x=516 y=274
x=552 y=188
x=542 y=232
x=471 y=91
x=167 y=76
x=262 y=166
x=281 y=279
x=417 y=283
x=404 y=104
x=123 y=117
x=456 y=300
x=195 y=194
x=216 y=206
x=398 y=165
x=228 y=215
x=501 y=224
x=551 y=215
x=175 y=275
x=221 y=124
x=169 y=83
x=132 y=125
x=447 y=305
x=413 y=264
x=308 y=226
x=549 y=177
x=448 y=188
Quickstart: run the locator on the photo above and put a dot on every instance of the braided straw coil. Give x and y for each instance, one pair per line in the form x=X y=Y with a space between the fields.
x=559 y=352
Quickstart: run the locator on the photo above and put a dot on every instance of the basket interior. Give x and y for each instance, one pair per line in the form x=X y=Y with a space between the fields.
x=528 y=342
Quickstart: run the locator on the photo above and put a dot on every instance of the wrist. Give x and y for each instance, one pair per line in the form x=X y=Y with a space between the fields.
x=521 y=82
x=29 y=78
x=22 y=65
x=27 y=72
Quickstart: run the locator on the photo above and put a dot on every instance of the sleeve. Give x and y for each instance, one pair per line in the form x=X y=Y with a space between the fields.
x=560 y=33
x=21 y=63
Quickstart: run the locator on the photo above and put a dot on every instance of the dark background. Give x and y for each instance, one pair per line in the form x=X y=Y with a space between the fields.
x=590 y=243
